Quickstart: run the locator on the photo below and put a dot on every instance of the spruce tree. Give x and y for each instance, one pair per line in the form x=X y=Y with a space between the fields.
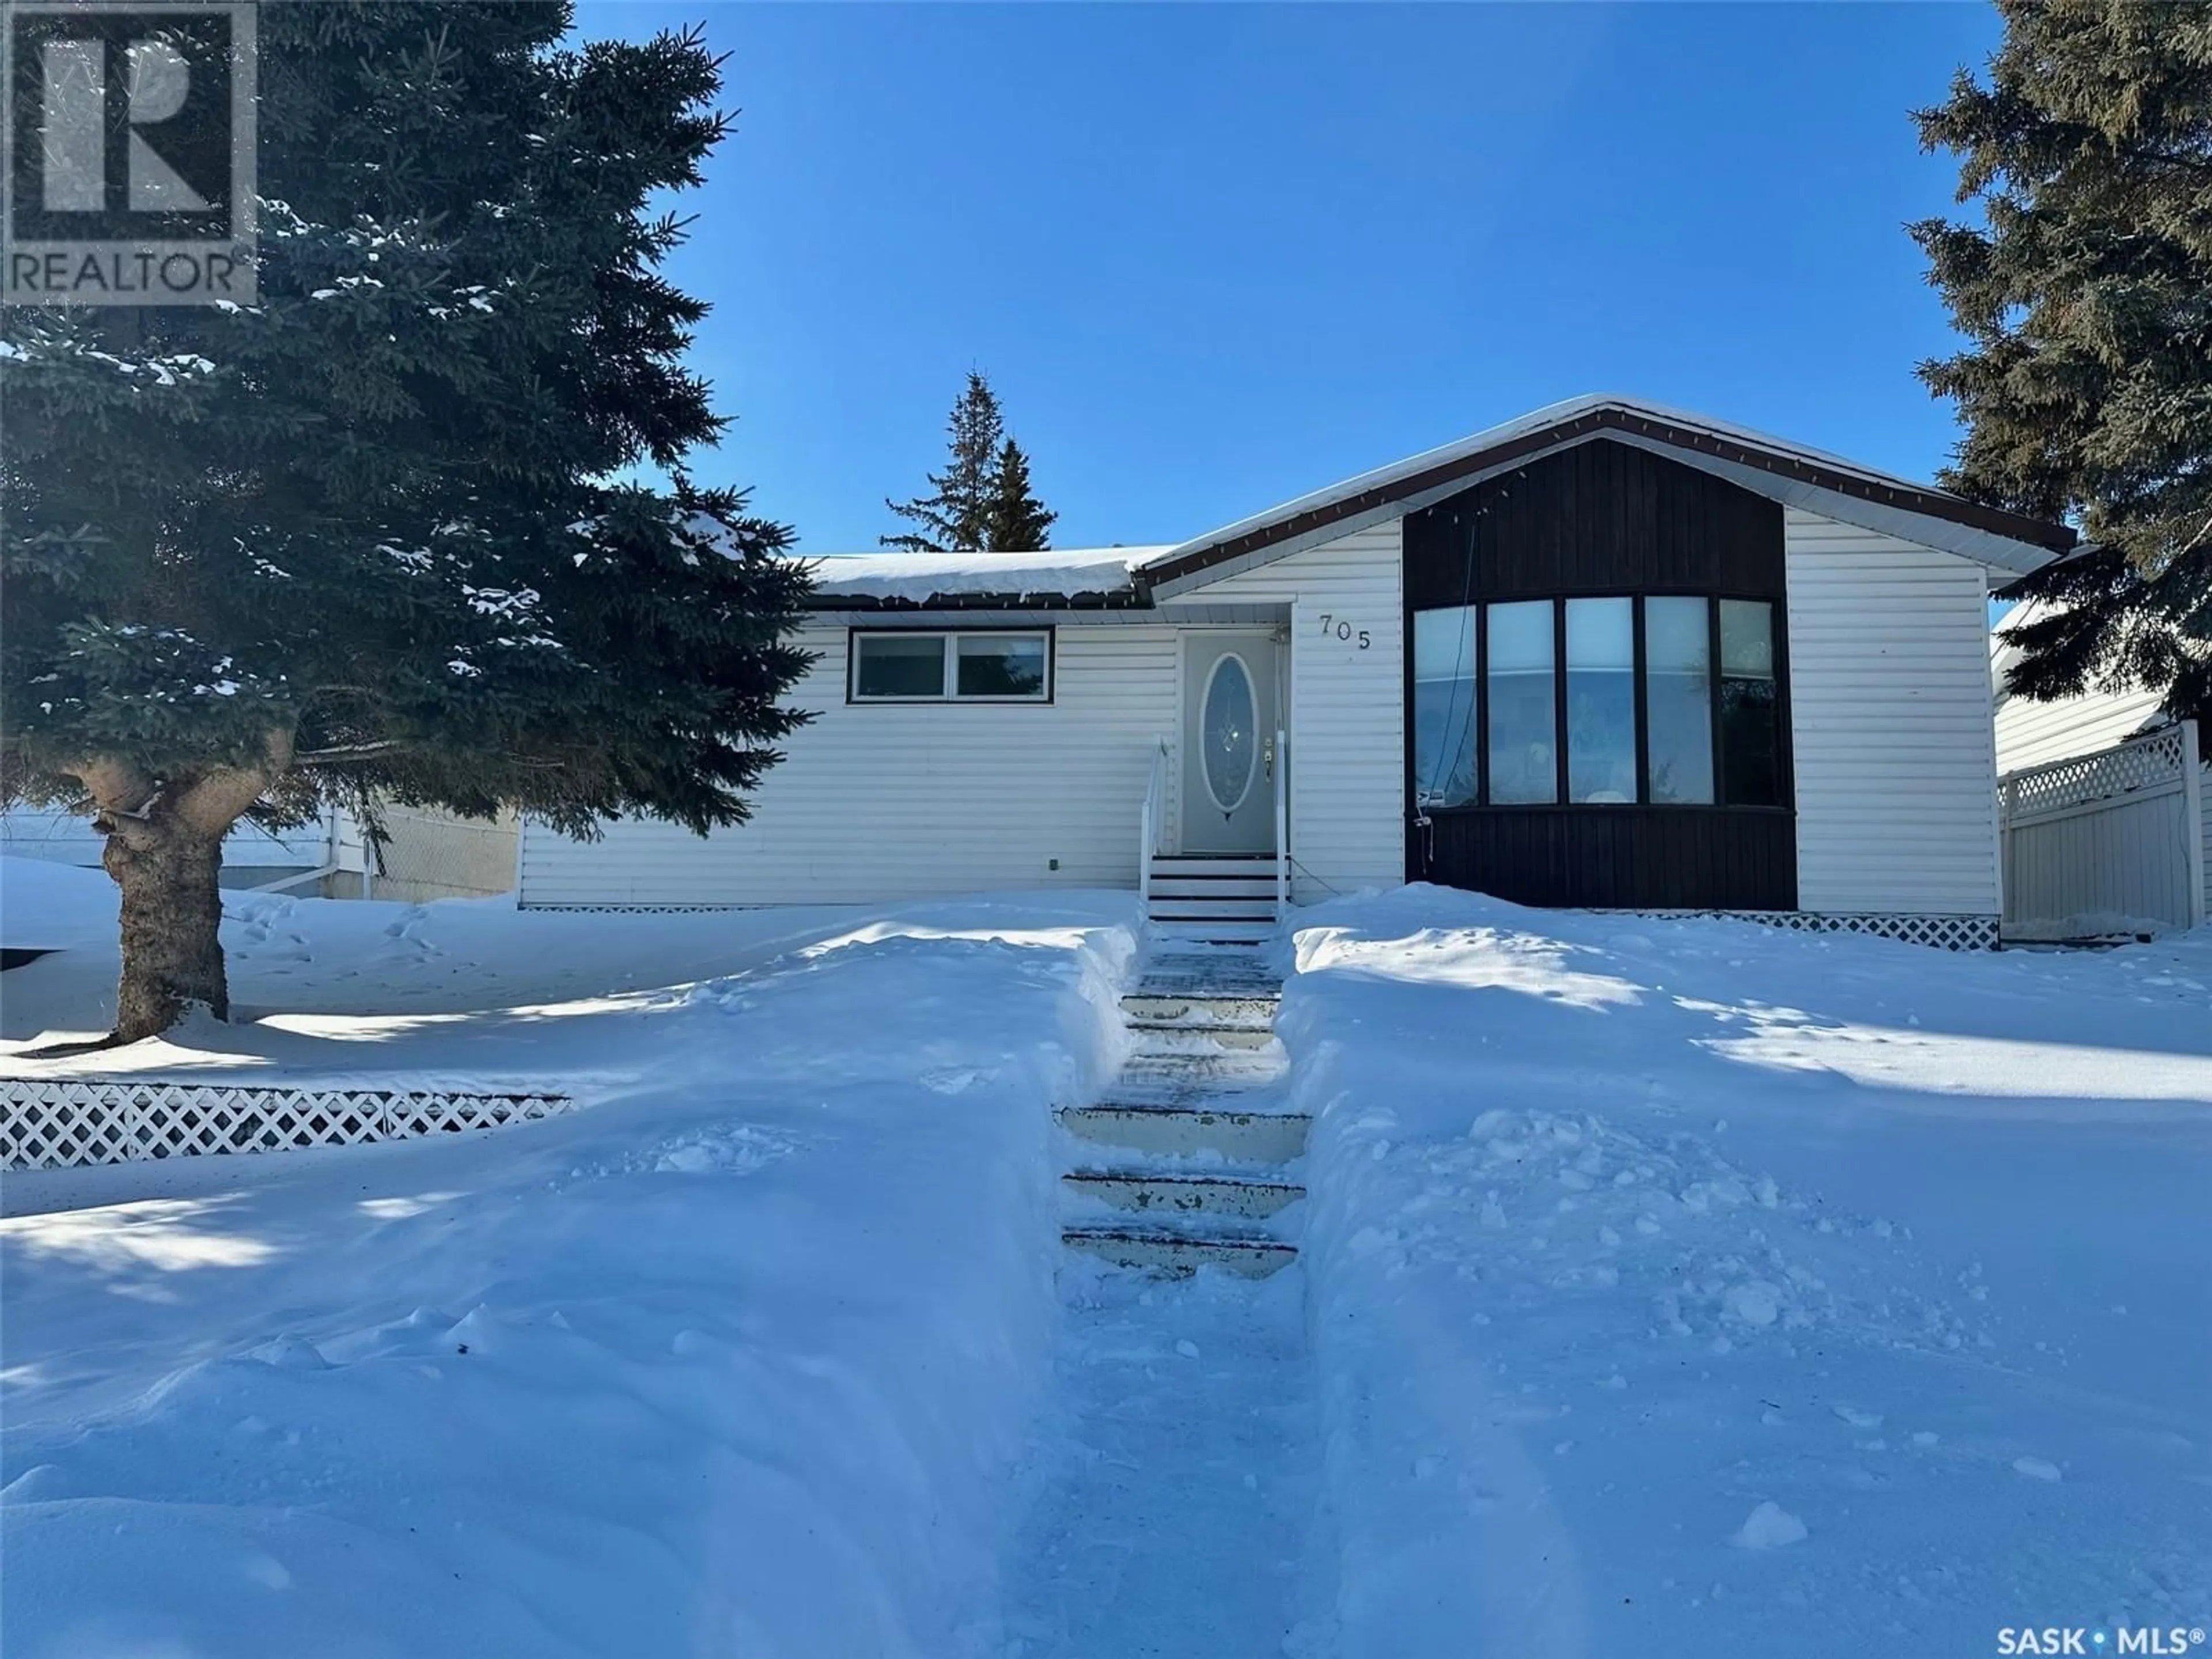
x=2086 y=296
x=363 y=539
x=955 y=518
x=1015 y=522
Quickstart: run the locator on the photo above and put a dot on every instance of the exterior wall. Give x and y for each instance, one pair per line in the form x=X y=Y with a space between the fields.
x=251 y=856
x=432 y=856
x=1894 y=756
x=1347 y=725
x=2030 y=733
x=875 y=801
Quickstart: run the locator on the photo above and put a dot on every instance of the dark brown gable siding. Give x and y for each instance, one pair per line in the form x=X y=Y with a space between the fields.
x=1604 y=519
x=1601 y=518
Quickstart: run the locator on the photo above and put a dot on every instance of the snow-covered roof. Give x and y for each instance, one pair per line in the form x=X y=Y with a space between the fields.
x=870 y=581
x=1794 y=474
x=1786 y=471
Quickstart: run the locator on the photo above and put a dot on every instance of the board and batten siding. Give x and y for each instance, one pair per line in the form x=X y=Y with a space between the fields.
x=1348 y=724
x=1895 y=760
x=908 y=801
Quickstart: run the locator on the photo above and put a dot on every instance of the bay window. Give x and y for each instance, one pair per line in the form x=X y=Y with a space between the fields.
x=1661 y=699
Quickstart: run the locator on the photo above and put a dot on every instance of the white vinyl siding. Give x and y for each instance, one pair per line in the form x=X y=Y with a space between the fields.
x=1889 y=698
x=901 y=800
x=59 y=836
x=2030 y=733
x=1347 y=721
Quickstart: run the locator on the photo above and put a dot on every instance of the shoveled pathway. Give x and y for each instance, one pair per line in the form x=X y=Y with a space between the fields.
x=1175 y=1485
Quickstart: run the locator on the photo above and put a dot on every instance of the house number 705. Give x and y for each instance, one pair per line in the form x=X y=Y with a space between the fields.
x=1335 y=627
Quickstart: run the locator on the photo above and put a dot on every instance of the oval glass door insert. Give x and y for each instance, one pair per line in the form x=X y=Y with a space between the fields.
x=1227 y=723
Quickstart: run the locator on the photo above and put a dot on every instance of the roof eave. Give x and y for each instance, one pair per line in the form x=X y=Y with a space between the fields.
x=1175 y=571
x=1124 y=599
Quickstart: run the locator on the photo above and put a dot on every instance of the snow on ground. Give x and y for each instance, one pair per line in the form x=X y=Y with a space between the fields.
x=1167 y=1508
x=737 y=1360
x=1668 y=1287
x=1691 y=1287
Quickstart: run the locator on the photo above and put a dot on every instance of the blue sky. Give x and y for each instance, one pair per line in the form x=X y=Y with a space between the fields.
x=1215 y=256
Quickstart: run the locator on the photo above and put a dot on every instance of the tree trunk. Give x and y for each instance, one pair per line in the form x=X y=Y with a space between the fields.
x=172 y=913
x=164 y=849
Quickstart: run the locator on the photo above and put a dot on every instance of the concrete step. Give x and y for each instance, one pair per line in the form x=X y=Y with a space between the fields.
x=1228 y=1079
x=1215 y=933
x=1186 y=968
x=1204 y=865
x=1216 y=1195
x=1177 y=1257
x=1200 y=887
x=1211 y=909
x=1166 y=1037
x=1236 y=1014
x=1253 y=1140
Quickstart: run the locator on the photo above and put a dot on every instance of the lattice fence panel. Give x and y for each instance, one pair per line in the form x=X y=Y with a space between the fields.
x=2150 y=762
x=45 y=1125
x=1943 y=933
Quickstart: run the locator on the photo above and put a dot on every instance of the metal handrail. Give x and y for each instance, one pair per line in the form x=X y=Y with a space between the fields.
x=1282 y=826
x=1148 y=822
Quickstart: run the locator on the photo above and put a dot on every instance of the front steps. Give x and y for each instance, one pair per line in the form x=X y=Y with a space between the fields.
x=1174 y=1257
x=1183 y=1164
x=1246 y=1139
x=1185 y=1195
x=1217 y=898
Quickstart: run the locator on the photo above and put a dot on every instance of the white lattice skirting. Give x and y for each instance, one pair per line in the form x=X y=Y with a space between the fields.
x=1944 y=932
x=47 y=1125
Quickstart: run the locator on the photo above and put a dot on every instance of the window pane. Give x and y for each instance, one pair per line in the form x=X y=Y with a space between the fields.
x=1751 y=707
x=1601 y=699
x=1678 y=699
x=899 y=666
x=1001 y=665
x=1747 y=638
x=1444 y=707
x=1523 y=762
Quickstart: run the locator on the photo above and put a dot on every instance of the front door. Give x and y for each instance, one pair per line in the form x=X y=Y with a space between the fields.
x=1228 y=759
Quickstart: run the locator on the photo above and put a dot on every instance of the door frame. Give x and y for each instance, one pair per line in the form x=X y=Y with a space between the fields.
x=1278 y=638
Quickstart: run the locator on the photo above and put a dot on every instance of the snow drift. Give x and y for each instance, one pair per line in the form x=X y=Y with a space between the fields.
x=737 y=1360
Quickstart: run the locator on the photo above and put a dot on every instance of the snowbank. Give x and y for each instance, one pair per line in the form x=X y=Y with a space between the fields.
x=737 y=1361
x=1690 y=1287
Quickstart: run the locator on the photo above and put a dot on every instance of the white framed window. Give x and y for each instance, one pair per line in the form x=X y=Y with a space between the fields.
x=982 y=666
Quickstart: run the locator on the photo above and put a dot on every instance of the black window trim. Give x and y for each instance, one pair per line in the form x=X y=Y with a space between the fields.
x=1048 y=632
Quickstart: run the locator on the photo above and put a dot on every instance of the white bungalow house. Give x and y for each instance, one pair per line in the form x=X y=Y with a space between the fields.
x=1608 y=655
